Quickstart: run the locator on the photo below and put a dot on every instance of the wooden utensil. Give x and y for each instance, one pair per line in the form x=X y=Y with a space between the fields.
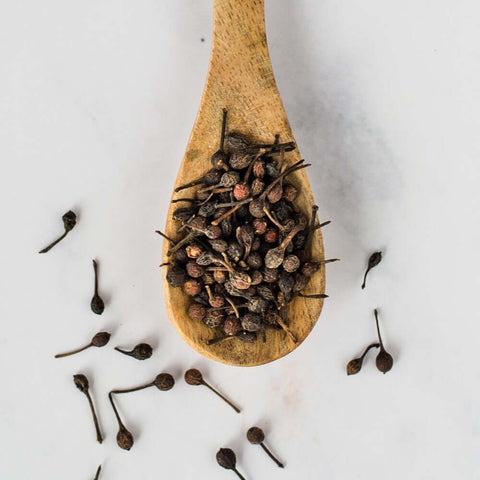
x=240 y=79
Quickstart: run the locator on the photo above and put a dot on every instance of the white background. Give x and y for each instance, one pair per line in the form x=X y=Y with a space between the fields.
x=97 y=100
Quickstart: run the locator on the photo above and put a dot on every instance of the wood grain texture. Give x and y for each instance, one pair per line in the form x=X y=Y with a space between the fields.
x=240 y=79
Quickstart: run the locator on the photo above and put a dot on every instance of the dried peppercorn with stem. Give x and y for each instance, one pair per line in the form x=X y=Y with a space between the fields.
x=384 y=360
x=355 y=365
x=124 y=438
x=69 y=220
x=97 y=305
x=219 y=158
x=163 y=381
x=81 y=382
x=194 y=377
x=373 y=261
x=226 y=458
x=142 y=351
x=256 y=436
x=100 y=339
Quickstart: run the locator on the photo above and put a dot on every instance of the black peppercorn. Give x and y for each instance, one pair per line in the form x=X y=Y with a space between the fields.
x=99 y=340
x=97 y=305
x=291 y=263
x=251 y=322
x=373 y=261
x=69 y=221
x=196 y=311
x=384 y=360
x=194 y=270
x=355 y=365
x=176 y=276
x=81 y=382
x=142 y=351
x=213 y=318
x=194 y=377
x=256 y=436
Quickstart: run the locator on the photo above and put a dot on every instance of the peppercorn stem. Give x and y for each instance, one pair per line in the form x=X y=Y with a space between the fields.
x=234 y=307
x=288 y=146
x=46 y=249
x=285 y=328
x=73 y=352
x=134 y=389
x=312 y=295
x=226 y=214
x=221 y=396
x=311 y=229
x=212 y=341
x=296 y=166
x=321 y=225
x=95 y=419
x=95 y=270
x=372 y=345
x=181 y=243
x=224 y=127
x=272 y=218
x=125 y=352
x=238 y=473
x=97 y=475
x=378 y=328
x=119 y=420
x=365 y=278
x=290 y=236
x=270 y=454
x=188 y=185
x=178 y=200
x=232 y=204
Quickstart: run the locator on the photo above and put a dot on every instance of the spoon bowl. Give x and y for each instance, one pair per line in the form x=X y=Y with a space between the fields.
x=240 y=80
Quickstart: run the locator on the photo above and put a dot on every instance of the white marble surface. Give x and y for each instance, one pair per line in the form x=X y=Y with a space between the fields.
x=97 y=99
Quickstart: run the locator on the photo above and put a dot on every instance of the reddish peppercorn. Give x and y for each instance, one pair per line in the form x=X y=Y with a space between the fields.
x=241 y=191
x=192 y=287
x=271 y=235
x=196 y=311
x=194 y=250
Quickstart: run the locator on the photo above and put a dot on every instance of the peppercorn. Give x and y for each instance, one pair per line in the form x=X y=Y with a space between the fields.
x=258 y=186
x=176 y=276
x=289 y=192
x=251 y=322
x=241 y=191
x=196 y=311
x=258 y=168
x=194 y=270
x=192 y=287
x=291 y=263
x=271 y=235
x=213 y=318
x=232 y=325
x=194 y=250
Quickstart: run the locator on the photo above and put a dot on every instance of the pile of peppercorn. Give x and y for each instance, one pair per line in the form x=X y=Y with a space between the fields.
x=245 y=251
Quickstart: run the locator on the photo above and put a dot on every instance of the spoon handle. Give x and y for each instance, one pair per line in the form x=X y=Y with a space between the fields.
x=238 y=28
x=240 y=76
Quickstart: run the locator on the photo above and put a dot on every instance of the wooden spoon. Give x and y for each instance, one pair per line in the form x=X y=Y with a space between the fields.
x=240 y=79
